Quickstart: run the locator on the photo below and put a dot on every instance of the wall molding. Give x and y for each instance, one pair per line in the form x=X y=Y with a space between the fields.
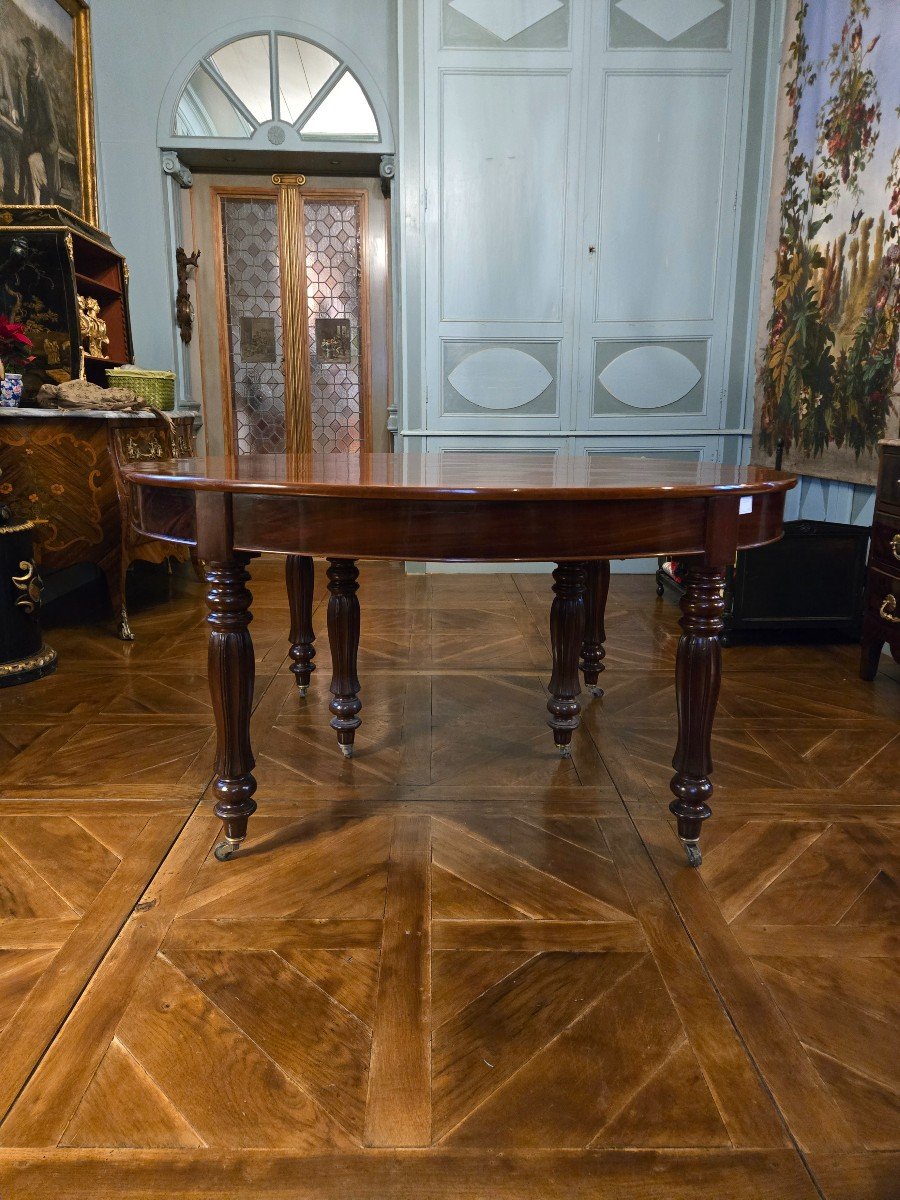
x=588 y=434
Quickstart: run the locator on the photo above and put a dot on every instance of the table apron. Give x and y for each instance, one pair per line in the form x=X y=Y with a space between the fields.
x=462 y=530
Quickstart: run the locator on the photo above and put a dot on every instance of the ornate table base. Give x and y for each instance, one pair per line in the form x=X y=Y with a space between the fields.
x=577 y=631
x=343 y=637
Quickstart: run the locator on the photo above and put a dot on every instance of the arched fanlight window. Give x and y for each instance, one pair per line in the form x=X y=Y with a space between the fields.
x=274 y=77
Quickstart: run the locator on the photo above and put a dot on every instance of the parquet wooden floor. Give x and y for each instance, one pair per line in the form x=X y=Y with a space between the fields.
x=454 y=965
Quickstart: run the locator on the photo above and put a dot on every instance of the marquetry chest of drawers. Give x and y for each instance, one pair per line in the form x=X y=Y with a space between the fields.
x=882 y=609
x=59 y=470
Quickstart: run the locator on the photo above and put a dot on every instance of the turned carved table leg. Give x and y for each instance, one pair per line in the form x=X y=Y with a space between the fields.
x=566 y=636
x=299 y=574
x=697 y=676
x=592 y=648
x=343 y=638
x=231 y=675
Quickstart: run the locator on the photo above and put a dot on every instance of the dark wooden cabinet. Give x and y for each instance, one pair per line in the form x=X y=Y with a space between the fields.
x=811 y=581
x=50 y=258
x=881 y=622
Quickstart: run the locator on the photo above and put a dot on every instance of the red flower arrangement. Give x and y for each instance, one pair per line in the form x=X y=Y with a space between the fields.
x=14 y=345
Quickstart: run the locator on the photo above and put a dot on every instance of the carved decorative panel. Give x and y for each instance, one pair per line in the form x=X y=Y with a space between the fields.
x=545 y=450
x=504 y=196
x=487 y=378
x=669 y=24
x=513 y=24
x=643 y=377
x=332 y=230
x=676 y=449
x=661 y=195
x=675 y=454
x=253 y=292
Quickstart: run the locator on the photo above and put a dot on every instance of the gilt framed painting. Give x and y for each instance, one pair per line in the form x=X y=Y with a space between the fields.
x=827 y=365
x=47 y=153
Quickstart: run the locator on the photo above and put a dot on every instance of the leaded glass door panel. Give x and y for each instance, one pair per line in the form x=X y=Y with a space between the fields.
x=253 y=332
x=334 y=235
x=257 y=414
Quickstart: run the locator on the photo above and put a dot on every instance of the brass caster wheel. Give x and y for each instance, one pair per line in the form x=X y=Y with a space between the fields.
x=595 y=691
x=346 y=750
x=226 y=849
x=565 y=751
x=692 y=850
x=302 y=689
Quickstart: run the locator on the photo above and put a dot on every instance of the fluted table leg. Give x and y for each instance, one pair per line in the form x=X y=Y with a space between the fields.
x=593 y=651
x=697 y=676
x=231 y=676
x=300 y=577
x=343 y=638
x=566 y=636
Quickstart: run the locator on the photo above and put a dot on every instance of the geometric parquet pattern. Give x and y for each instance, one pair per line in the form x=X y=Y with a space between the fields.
x=454 y=965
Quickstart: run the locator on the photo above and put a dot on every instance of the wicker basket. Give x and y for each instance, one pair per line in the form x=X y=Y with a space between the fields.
x=156 y=387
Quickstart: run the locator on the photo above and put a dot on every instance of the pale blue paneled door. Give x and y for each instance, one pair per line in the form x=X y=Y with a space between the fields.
x=582 y=163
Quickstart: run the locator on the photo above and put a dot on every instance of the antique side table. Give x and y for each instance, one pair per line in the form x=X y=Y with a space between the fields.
x=464 y=508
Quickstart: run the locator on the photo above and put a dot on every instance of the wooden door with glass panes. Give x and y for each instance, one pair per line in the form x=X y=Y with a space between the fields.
x=237 y=355
x=248 y=408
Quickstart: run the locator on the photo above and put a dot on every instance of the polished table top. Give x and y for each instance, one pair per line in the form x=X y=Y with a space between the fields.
x=452 y=475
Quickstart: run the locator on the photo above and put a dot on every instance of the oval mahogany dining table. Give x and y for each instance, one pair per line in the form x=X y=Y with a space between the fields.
x=465 y=507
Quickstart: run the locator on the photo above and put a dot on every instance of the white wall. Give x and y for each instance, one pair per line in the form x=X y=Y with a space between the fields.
x=138 y=46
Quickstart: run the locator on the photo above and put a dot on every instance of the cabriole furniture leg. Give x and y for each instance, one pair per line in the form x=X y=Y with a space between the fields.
x=231 y=676
x=299 y=574
x=592 y=648
x=698 y=670
x=566 y=637
x=343 y=638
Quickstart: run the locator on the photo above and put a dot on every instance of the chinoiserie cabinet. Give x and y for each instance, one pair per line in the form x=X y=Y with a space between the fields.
x=59 y=469
x=49 y=258
x=882 y=615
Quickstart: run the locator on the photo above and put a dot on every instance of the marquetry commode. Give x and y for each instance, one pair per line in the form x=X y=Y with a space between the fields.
x=881 y=622
x=58 y=469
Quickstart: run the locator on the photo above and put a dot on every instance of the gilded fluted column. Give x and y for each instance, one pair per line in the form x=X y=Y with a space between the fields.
x=295 y=333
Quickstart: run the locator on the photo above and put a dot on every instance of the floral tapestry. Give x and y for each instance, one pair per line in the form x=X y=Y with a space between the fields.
x=827 y=381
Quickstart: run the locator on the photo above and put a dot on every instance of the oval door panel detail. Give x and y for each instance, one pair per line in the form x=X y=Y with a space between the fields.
x=500 y=378
x=650 y=377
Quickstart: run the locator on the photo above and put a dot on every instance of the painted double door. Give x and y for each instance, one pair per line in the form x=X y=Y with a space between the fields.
x=583 y=165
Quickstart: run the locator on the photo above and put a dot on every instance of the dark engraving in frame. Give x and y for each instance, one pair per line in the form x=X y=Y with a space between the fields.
x=258 y=340
x=333 y=339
